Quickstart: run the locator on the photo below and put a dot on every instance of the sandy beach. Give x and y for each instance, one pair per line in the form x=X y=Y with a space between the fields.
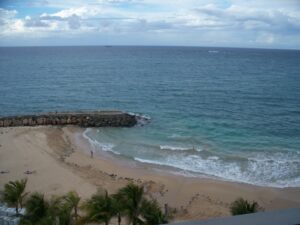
x=58 y=159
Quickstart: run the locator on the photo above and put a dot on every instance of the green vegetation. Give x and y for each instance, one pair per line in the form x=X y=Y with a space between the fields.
x=73 y=200
x=40 y=211
x=242 y=206
x=100 y=208
x=131 y=198
x=152 y=213
x=129 y=202
x=14 y=193
x=36 y=208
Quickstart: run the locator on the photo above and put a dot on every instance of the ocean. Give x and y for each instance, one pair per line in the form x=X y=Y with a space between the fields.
x=224 y=113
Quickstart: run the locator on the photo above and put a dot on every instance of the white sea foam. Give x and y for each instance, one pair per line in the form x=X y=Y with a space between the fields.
x=173 y=148
x=271 y=173
x=107 y=147
x=148 y=161
x=213 y=158
x=279 y=169
x=178 y=148
x=84 y=134
x=175 y=136
x=142 y=119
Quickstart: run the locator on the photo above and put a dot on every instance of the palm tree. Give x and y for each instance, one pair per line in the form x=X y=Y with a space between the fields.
x=241 y=206
x=131 y=197
x=59 y=211
x=73 y=200
x=42 y=212
x=14 y=193
x=100 y=208
x=152 y=213
x=36 y=209
x=119 y=206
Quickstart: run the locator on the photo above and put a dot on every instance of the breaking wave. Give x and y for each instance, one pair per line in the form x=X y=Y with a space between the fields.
x=107 y=147
x=178 y=148
x=142 y=119
x=275 y=172
x=275 y=169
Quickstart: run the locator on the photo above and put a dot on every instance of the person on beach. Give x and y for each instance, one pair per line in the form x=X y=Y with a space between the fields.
x=92 y=154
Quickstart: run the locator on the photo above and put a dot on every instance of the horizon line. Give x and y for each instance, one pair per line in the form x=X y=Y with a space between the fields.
x=116 y=45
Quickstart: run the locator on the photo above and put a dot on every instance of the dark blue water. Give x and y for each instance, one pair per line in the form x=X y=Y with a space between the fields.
x=227 y=113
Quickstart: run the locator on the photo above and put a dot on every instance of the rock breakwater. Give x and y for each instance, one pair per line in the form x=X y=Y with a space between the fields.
x=83 y=119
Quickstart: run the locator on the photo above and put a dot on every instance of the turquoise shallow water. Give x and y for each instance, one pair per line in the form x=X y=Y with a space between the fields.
x=228 y=113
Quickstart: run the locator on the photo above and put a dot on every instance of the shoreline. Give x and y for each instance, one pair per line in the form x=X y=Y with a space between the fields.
x=61 y=158
x=165 y=168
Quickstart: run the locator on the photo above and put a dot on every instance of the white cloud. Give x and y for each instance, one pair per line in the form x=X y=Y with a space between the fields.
x=8 y=22
x=265 y=38
x=237 y=22
x=6 y=17
x=83 y=12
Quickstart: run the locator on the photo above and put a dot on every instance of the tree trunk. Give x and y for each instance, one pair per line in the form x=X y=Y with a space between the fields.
x=56 y=220
x=75 y=215
x=166 y=210
x=119 y=218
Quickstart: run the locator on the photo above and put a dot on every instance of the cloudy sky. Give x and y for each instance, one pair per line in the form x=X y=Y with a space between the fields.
x=227 y=23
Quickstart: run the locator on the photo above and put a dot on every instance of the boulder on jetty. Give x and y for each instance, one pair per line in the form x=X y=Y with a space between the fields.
x=82 y=119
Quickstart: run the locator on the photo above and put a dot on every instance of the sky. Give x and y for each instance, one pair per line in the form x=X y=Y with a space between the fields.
x=215 y=23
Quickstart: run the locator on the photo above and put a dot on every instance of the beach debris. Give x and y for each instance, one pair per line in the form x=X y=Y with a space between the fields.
x=113 y=175
x=29 y=172
x=4 y=171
